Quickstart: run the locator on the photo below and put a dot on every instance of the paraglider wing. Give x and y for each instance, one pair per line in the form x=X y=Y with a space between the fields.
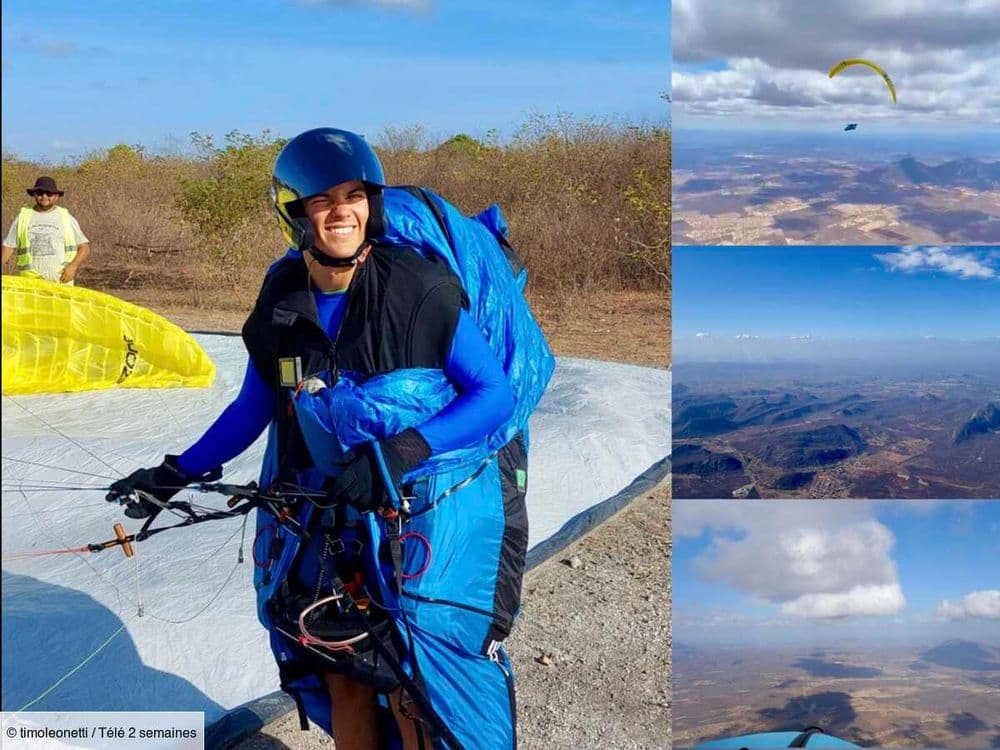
x=771 y=740
x=869 y=64
x=851 y=126
x=59 y=338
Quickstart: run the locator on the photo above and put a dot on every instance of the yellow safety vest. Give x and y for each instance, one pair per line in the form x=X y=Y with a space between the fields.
x=24 y=266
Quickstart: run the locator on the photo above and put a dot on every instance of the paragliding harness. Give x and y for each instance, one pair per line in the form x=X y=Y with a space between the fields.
x=338 y=625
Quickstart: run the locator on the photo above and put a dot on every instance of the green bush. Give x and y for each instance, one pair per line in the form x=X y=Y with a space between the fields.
x=464 y=145
x=236 y=188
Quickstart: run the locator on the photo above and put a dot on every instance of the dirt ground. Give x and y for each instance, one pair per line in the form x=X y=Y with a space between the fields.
x=591 y=651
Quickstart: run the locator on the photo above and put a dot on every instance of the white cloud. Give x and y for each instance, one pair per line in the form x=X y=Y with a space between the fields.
x=962 y=263
x=701 y=335
x=859 y=601
x=984 y=604
x=746 y=337
x=815 y=560
x=693 y=518
x=944 y=58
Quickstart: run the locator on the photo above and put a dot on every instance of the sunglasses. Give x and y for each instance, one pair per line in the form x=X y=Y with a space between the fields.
x=43 y=192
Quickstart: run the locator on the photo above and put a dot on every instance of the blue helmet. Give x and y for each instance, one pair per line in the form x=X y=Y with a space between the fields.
x=312 y=163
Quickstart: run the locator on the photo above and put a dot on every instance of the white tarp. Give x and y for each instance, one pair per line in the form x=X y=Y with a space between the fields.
x=198 y=645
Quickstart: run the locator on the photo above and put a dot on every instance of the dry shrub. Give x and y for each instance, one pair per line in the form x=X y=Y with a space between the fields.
x=124 y=202
x=588 y=203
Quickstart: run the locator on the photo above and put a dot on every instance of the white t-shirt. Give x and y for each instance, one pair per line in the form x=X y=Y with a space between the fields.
x=45 y=242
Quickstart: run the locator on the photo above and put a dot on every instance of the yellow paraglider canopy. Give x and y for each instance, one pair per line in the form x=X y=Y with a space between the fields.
x=869 y=64
x=59 y=338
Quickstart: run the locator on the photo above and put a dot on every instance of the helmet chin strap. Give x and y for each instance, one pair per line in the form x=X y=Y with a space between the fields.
x=325 y=260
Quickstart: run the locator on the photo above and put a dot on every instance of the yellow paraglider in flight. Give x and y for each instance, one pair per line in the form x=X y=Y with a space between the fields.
x=867 y=63
x=59 y=338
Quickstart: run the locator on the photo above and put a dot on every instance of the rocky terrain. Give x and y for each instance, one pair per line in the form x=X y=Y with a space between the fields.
x=829 y=201
x=828 y=437
x=940 y=696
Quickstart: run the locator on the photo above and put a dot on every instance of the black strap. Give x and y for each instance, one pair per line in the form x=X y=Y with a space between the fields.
x=301 y=706
x=192 y=517
x=803 y=738
x=409 y=685
x=329 y=261
x=393 y=533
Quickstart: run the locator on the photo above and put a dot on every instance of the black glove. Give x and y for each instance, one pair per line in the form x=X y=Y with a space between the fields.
x=162 y=482
x=362 y=484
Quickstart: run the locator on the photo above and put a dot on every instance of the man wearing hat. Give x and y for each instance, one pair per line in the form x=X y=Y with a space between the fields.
x=48 y=240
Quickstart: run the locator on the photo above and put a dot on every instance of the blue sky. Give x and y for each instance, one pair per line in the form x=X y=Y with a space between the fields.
x=88 y=75
x=836 y=292
x=776 y=572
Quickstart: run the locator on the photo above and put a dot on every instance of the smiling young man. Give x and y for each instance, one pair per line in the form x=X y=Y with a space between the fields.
x=47 y=239
x=345 y=306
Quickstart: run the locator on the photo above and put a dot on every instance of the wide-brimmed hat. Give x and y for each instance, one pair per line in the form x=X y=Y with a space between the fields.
x=46 y=185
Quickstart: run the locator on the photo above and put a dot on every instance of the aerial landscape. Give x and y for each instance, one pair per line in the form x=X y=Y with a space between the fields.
x=834 y=123
x=875 y=621
x=836 y=372
x=937 y=695
x=781 y=195
x=796 y=433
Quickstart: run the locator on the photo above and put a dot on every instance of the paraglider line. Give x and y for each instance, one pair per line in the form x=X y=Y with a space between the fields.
x=63 y=509
x=42 y=553
x=300 y=490
x=140 y=610
x=48 y=488
x=58 y=468
x=75 y=669
x=80 y=556
x=208 y=604
x=121 y=597
x=243 y=538
x=455 y=488
x=65 y=436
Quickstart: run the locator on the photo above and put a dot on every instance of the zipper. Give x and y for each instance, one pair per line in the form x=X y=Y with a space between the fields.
x=447 y=602
x=433 y=504
x=509 y=679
